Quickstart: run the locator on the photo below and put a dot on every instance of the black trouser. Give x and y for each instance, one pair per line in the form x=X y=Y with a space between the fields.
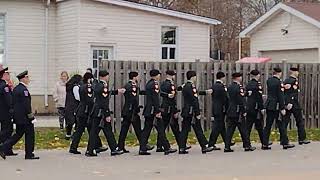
x=82 y=125
x=94 y=135
x=125 y=125
x=61 y=112
x=218 y=128
x=252 y=119
x=6 y=131
x=297 y=114
x=22 y=129
x=148 y=124
x=271 y=117
x=186 y=126
x=174 y=124
x=232 y=124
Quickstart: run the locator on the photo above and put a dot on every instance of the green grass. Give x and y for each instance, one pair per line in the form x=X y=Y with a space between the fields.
x=53 y=138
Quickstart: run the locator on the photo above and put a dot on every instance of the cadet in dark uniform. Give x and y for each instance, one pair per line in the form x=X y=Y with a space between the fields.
x=219 y=109
x=151 y=112
x=191 y=115
x=255 y=109
x=6 y=109
x=130 y=111
x=170 y=113
x=291 y=95
x=101 y=116
x=236 y=114
x=274 y=105
x=23 y=118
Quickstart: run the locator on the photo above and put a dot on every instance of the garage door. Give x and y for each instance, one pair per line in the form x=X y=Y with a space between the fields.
x=296 y=56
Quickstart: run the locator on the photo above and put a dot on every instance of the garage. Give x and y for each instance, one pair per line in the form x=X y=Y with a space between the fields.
x=296 y=55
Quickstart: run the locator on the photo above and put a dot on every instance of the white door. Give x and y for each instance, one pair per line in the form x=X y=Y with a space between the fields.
x=102 y=53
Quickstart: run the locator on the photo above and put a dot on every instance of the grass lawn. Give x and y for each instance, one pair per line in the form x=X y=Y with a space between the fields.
x=53 y=138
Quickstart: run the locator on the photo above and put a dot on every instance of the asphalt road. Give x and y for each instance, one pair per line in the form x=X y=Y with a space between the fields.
x=295 y=164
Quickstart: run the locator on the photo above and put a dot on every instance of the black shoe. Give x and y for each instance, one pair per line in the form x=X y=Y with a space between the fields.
x=270 y=143
x=32 y=157
x=124 y=151
x=249 y=149
x=206 y=149
x=116 y=153
x=91 y=154
x=149 y=148
x=215 y=148
x=188 y=147
x=74 y=151
x=101 y=149
x=11 y=153
x=228 y=150
x=264 y=147
x=304 y=142
x=288 y=146
x=160 y=149
x=3 y=155
x=170 y=151
x=144 y=153
x=183 y=151
x=232 y=144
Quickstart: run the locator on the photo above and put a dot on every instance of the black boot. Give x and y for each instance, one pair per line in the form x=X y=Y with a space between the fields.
x=74 y=151
x=288 y=146
x=304 y=142
x=249 y=149
x=227 y=150
x=144 y=153
x=170 y=151
x=183 y=151
x=206 y=149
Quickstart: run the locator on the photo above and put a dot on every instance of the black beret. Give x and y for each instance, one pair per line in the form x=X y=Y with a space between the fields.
x=154 y=72
x=171 y=72
x=103 y=73
x=191 y=74
x=255 y=72
x=22 y=75
x=220 y=75
x=2 y=71
x=133 y=74
x=294 y=69
x=278 y=70
x=236 y=74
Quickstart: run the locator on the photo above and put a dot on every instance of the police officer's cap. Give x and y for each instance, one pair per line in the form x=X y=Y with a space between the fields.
x=154 y=72
x=236 y=74
x=133 y=74
x=191 y=74
x=294 y=69
x=22 y=75
x=277 y=70
x=255 y=72
x=171 y=73
x=220 y=75
x=103 y=73
x=2 y=71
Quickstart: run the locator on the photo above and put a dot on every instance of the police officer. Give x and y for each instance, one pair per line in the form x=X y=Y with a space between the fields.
x=236 y=113
x=6 y=109
x=191 y=115
x=130 y=111
x=255 y=109
x=219 y=108
x=291 y=95
x=170 y=113
x=101 y=116
x=23 y=118
x=151 y=112
x=275 y=105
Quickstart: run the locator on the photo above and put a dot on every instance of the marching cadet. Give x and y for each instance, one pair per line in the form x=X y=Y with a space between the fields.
x=274 y=105
x=101 y=116
x=152 y=112
x=236 y=114
x=219 y=108
x=170 y=113
x=291 y=95
x=6 y=109
x=191 y=115
x=255 y=109
x=23 y=118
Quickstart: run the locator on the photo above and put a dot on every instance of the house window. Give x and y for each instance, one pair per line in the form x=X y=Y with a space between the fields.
x=168 y=42
x=2 y=38
x=103 y=53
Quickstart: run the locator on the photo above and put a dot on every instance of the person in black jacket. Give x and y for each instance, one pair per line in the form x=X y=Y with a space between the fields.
x=275 y=105
x=236 y=114
x=6 y=109
x=291 y=96
x=101 y=116
x=191 y=115
x=255 y=109
x=151 y=112
x=23 y=118
x=219 y=109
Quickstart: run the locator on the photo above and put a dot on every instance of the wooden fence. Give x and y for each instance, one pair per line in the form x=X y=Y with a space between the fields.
x=309 y=83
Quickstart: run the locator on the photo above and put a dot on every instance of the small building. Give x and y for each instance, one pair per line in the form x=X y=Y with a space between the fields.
x=289 y=31
x=47 y=37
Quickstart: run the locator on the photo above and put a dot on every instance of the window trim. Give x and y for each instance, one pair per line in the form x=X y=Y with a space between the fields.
x=5 y=55
x=176 y=46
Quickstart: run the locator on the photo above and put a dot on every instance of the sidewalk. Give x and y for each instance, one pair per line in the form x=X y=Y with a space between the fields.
x=47 y=121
